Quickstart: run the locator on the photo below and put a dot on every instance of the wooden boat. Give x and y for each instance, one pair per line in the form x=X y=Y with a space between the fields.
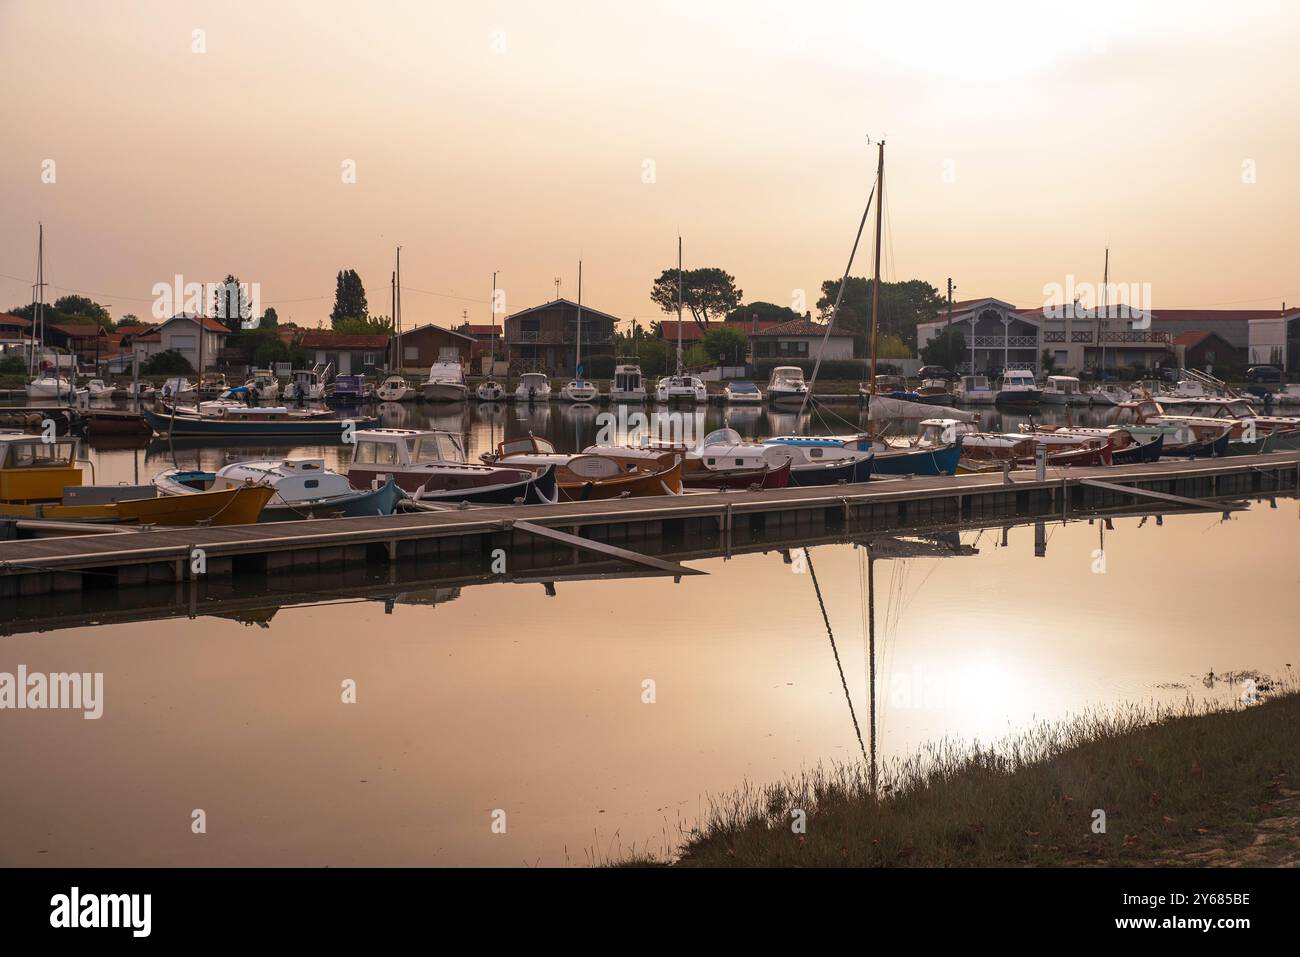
x=430 y=466
x=41 y=480
x=935 y=392
x=234 y=420
x=599 y=472
x=725 y=461
x=303 y=488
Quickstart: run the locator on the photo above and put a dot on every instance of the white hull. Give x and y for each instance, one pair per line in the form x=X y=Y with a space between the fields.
x=621 y=395
x=490 y=392
x=42 y=389
x=786 y=397
x=579 y=393
x=445 y=391
x=1061 y=398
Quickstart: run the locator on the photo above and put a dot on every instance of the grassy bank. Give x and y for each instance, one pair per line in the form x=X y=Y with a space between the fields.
x=1178 y=786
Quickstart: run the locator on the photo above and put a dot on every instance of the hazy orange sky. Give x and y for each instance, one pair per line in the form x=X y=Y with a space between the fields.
x=1023 y=138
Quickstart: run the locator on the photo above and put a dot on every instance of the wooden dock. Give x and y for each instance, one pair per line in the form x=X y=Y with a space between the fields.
x=641 y=525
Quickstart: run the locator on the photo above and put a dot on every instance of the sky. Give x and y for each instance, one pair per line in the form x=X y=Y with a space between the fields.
x=157 y=139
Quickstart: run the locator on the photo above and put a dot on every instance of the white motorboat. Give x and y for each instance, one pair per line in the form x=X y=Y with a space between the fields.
x=263 y=385
x=139 y=390
x=974 y=390
x=1063 y=390
x=787 y=386
x=681 y=388
x=533 y=387
x=99 y=389
x=177 y=388
x=1018 y=388
x=490 y=390
x=394 y=388
x=307 y=385
x=446 y=382
x=742 y=393
x=628 y=384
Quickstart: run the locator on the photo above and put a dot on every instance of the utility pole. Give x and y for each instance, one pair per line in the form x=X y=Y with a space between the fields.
x=557 y=288
x=951 y=287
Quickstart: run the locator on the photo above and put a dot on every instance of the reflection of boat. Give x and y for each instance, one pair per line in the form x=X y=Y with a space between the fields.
x=302 y=488
x=628 y=384
x=243 y=421
x=786 y=386
x=431 y=467
x=533 y=387
x=446 y=382
x=41 y=480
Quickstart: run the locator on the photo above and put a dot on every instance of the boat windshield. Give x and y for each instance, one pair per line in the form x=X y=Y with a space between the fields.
x=432 y=449
x=722 y=437
x=36 y=454
x=744 y=387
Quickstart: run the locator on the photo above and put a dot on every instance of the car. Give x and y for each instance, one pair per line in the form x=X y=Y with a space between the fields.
x=1263 y=374
x=936 y=372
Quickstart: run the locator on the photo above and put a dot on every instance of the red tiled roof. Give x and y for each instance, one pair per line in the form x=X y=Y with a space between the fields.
x=691 y=332
x=797 y=327
x=328 y=340
x=479 y=329
x=154 y=336
x=212 y=325
x=77 y=330
x=1210 y=315
x=9 y=319
x=134 y=330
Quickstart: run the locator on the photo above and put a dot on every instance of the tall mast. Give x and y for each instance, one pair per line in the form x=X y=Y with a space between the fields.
x=679 y=305
x=875 y=285
x=1101 y=312
x=392 y=311
x=492 y=341
x=397 y=310
x=577 y=354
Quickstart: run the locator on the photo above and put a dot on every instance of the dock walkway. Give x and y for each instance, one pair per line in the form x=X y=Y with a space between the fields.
x=34 y=566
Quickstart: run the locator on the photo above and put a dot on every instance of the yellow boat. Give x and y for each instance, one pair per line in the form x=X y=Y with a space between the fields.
x=40 y=479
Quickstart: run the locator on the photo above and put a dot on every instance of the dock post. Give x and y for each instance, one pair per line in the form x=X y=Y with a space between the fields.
x=1040 y=463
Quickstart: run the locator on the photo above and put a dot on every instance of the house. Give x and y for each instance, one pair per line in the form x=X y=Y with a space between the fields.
x=1275 y=340
x=691 y=332
x=86 y=340
x=544 y=337
x=1000 y=335
x=486 y=336
x=1203 y=350
x=422 y=346
x=348 y=354
x=800 y=339
x=130 y=333
x=181 y=334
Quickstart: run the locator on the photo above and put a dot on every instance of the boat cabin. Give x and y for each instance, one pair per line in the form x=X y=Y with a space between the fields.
x=32 y=469
x=627 y=378
x=790 y=376
x=407 y=447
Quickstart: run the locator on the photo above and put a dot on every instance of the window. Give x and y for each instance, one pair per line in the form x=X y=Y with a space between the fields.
x=185 y=343
x=411 y=353
x=365 y=453
x=367 y=358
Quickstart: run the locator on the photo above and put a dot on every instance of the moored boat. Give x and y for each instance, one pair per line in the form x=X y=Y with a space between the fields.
x=302 y=488
x=533 y=387
x=237 y=420
x=446 y=382
x=786 y=386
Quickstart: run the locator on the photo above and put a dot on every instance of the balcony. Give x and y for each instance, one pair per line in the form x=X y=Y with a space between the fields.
x=561 y=338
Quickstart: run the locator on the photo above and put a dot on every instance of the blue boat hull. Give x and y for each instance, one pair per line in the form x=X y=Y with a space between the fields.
x=1201 y=450
x=811 y=476
x=919 y=461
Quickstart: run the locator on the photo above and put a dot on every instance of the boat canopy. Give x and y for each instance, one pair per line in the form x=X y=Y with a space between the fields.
x=723 y=437
x=19 y=451
x=743 y=387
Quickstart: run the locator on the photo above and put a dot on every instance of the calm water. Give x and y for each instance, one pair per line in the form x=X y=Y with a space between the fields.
x=529 y=699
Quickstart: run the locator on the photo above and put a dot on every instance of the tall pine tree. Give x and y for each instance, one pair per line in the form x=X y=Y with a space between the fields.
x=349 y=298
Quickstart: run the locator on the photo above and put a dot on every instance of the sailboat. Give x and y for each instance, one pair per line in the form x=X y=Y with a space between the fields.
x=679 y=387
x=579 y=389
x=939 y=458
x=45 y=383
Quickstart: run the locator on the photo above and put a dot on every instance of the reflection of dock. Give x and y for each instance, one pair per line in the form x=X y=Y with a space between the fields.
x=659 y=525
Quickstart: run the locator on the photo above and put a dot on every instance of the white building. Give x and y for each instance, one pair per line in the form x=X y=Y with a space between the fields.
x=181 y=334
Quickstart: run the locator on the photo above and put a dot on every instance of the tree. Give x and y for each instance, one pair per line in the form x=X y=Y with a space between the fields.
x=169 y=362
x=130 y=319
x=762 y=312
x=902 y=306
x=947 y=349
x=368 y=326
x=230 y=303
x=349 y=298
x=726 y=345
x=270 y=318
x=708 y=293
x=68 y=309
